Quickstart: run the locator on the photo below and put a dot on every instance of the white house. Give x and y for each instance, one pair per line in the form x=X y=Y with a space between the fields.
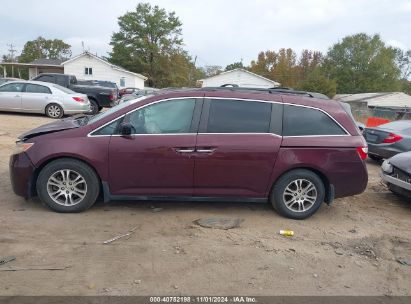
x=393 y=100
x=240 y=77
x=87 y=66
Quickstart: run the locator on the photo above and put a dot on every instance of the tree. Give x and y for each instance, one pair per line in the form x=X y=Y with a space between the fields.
x=211 y=70
x=235 y=65
x=45 y=48
x=148 y=39
x=361 y=63
x=404 y=63
x=316 y=81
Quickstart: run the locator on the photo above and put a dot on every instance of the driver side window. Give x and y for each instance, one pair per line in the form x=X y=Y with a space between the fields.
x=165 y=117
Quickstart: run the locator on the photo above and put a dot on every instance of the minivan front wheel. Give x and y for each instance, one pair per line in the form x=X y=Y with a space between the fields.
x=68 y=185
x=298 y=194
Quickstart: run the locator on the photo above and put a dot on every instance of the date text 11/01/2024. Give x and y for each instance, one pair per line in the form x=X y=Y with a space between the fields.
x=203 y=299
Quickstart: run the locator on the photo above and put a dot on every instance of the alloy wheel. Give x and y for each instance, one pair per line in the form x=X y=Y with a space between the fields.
x=300 y=195
x=67 y=187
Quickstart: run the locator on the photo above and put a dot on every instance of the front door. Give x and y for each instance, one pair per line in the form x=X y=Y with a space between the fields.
x=10 y=96
x=237 y=146
x=157 y=159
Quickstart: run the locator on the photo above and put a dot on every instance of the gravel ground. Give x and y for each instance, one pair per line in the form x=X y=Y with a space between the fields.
x=348 y=248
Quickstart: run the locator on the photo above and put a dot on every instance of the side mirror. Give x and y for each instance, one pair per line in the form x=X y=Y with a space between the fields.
x=126 y=129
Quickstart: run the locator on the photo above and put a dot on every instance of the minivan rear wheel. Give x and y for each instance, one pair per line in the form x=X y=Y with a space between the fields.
x=298 y=194
x=67 y=185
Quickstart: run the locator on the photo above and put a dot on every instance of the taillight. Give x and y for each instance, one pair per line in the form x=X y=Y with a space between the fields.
x=78 y=99
x=112 y=96
x=362 y=152
x=392 y=138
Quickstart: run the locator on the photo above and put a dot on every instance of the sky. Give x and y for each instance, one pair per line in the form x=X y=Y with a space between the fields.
x=217 y=32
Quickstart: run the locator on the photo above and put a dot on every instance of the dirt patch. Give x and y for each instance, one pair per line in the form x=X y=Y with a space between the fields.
x=348 y=248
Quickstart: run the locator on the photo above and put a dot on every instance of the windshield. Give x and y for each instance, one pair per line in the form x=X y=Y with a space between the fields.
x=116 y=108
x=63 y=89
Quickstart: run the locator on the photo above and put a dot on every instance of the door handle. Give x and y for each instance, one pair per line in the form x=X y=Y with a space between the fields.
x=185 y=150
x=210 y=150
x=17 y=96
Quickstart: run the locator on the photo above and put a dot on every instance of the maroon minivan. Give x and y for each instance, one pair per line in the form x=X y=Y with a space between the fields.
x=293 y=151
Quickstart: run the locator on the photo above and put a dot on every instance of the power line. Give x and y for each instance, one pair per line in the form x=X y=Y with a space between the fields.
x=11 y=50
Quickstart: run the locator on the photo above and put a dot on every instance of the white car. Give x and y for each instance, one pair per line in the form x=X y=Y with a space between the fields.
x=41 y=97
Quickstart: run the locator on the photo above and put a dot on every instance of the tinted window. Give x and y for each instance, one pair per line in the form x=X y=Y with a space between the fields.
x=300 y=121
x=61 y=80
x=109 y=129
x=34 y=88
x=239 y=116
x=12 y=87
x=173 y=116
x=46 y=78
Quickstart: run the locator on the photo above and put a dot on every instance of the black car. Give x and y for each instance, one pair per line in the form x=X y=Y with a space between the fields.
x=99 y=96
x=396 y=174
x=388 y=139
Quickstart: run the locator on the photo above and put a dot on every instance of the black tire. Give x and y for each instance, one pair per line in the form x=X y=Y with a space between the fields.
x=94 y=107
x=279 y=194
x=54 y=110
x=375 y=157
x=89 y=189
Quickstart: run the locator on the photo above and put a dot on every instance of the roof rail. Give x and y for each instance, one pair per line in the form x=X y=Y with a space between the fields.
x=274 y=90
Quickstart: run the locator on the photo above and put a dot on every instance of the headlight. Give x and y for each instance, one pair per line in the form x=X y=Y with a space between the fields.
x=387 y=167
x=21 y=147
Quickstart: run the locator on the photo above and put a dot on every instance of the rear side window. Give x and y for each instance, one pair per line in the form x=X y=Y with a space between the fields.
x=301 y=121
x=34 y=88
x=239 y=116
x=46 y=78
x=61 y=80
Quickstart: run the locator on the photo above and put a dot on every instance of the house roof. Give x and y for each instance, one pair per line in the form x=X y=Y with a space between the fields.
x=384 y=99
x=115 y=67
x=48 y=62
x=245 y=71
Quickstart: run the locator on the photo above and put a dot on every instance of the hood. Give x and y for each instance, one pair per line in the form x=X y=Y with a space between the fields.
x=59 y=125
x=402 y=161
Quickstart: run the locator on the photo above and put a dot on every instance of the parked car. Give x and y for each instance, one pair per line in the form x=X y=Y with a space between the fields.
x=99 y=96
x=388 y=139
x=8 y=79
x=39 y=97
x=137 y=94
x=127 y=91
x=396 y=173
x=293 y=151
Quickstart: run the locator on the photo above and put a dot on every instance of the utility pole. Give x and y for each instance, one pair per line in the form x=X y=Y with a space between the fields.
x=12 y=50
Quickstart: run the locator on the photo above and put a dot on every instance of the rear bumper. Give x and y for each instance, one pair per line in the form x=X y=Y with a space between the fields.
x=384 y=151
x=388 y=179
x=21 y=172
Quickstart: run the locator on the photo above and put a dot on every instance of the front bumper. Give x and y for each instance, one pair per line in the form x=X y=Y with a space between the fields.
x=21 y=173
x=388 y=179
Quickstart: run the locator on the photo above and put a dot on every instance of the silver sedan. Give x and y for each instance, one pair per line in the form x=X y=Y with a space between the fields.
x=41 y=97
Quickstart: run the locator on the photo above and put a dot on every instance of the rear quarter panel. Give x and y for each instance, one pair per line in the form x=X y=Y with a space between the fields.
x=335 y=157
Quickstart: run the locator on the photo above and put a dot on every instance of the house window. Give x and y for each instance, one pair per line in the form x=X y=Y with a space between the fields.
x=88 y=71
x=122 y=82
